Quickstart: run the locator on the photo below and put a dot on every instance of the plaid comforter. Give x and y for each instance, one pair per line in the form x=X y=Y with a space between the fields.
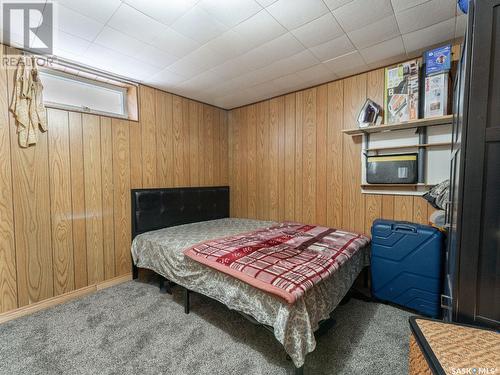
x=286 y=260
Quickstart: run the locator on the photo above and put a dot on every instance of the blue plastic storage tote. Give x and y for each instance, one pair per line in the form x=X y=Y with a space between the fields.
x=406 y=265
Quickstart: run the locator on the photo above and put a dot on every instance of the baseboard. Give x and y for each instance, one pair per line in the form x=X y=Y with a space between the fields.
x=57 y=300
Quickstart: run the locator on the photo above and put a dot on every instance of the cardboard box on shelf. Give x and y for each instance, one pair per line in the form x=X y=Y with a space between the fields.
x=436 y=95
x=401 y=92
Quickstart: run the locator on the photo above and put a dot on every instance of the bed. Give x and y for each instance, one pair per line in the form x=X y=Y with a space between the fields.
x=165 y=222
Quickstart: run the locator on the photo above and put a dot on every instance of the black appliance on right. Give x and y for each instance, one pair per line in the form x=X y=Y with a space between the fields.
x=472 y=284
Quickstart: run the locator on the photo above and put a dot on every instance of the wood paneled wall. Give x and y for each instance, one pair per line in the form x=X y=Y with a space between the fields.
x=65 y=203
x=288 y=159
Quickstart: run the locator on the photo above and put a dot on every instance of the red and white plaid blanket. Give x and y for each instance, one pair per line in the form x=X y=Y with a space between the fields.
x=285 y=260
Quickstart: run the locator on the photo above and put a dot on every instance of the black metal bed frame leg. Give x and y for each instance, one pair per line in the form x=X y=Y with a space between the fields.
x=165 y=285
x=135 y=271
x=186 y=301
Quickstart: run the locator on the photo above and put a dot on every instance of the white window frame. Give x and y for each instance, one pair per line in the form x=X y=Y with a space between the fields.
x=89 y=82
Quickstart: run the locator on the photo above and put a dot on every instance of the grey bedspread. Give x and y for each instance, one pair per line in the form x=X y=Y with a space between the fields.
x=294 y=325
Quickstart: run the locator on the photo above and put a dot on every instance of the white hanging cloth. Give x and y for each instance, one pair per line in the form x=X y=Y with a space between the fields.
x=27 y=102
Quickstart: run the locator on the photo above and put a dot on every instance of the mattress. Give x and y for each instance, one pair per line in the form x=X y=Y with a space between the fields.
x=293 y=325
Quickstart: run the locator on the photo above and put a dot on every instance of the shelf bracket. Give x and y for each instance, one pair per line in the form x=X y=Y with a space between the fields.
x=422 y=139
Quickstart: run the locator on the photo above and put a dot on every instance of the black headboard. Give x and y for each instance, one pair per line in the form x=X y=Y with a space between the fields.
x=166 y=207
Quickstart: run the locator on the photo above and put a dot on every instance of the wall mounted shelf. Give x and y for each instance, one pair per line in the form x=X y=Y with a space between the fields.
x=426 y=145
x=424 y=122
x=398 y=186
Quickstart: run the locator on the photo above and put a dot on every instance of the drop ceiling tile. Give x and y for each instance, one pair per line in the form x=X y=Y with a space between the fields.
x=77 y=24
x=296 y=62
x=185 y=68
x=421 y=39
x=201 y=82
x=389 y=61
x=135 y=69
x=290 y=82
x=96 y=9
x=278 y=68
x=277 y=49
x=172 y=42
x=166 y=12
x=196 y=62
x=262 y=89
x=198 y=25
x=387 y=49
x=69 y=43
x=333 y=48
x=379 y=31
x=136 y=24
x=155 y=56
x=317 y=73
x=259 y=29
x=294 y=13
x=231 y=69
x=231 y=87
x=345 y=64
x=206 y=57
x=118 y=41
x=400 y=5
x=426 y=14
x=117 y=63
x=460 y=26
x=165 y=79
x=334 y=4
x=230 y=44
x=359 y=13
x=230 y=12
x=67 y=55
x=318 y=31
x=266 y=3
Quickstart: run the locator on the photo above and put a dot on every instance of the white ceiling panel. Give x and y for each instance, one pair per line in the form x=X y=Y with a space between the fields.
x=334 y=4
x=346 y=64
x=230 y=12
x=384 y=50
x=333 y=48
x=96 y=9
x=166 y=80
x=136 y=24
x=231 y=69
x=77 y=24
x=163 y=11
x=199 y=25
x=69 y=43
x=155 y=56
x=426 y=14
x=277 y=49
x=259 y=29
x=233 y=52
x=230 y=44
x=316 y=73
x=118 y=41
x=374 y=33
x=358 y=13
x=294 y=13
x=399 y=5
x=172 y=42
x=266 y=3
x=102 y=58
x=423 y=38
x=318 y=31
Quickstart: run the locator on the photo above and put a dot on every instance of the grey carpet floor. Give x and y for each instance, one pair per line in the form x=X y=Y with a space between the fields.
x=132 y=329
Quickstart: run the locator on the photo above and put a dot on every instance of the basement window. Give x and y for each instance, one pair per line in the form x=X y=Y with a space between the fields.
x=70 y=92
